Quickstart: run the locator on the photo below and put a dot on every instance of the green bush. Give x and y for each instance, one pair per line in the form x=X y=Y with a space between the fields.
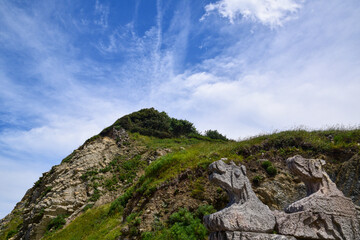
x=182 y=128
x=271 y=170
x=186 y=226
x=68 y=158
x=151 y=122
x=95 y=196
x=183 y=225
x=257 y=179
x=56 y=223
x=11 y=233
x=214 y=134
x=120 y=203
x=204 y=210
x=88 y=175
x=266 y=164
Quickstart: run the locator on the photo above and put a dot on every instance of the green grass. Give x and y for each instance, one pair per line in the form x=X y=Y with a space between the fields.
x=92 y=225
x=336 y=144
x=12 y=227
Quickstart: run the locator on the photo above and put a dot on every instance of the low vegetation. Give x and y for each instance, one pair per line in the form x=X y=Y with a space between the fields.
x=182 y=225
x=13 y=227
x=151 y=122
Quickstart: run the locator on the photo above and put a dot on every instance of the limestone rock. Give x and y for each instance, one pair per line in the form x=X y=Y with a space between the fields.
x=61 y=191
x=245 y=212
x=248 y=236
x=325 y=213
x=348 y=178
x=317 y=225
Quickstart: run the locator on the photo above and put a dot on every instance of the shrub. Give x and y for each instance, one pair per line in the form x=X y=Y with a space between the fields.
x=185 y=226
x=271 y=170
x=46 y=191
x=182 y=127
x=204 y=210
x=56 y=223
x=198 y=189
x=151 y=122
x=11 y=233
x=88 y=174
x=120 y=203
x=95 y=196
x=182 y=225
x=257 y=179
x=38 y=182
x=266 y=164
x=68 y=158
x=214 y=134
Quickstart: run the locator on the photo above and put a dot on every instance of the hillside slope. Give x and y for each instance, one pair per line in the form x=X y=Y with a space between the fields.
x=145 y=177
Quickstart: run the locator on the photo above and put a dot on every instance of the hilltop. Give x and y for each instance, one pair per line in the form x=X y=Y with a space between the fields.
x=146 y=177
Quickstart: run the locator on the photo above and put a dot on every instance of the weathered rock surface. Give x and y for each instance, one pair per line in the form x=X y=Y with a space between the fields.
x=63 y=191
x=347 y=178
x=325 y=213
x=248 y=236
x=245 y=212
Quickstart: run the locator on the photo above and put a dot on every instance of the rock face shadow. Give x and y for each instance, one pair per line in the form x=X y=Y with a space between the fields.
x=325 y=213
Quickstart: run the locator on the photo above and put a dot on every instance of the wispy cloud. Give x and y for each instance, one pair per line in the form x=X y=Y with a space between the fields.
x=102 y=13
x=306 y=74
x=268 y=12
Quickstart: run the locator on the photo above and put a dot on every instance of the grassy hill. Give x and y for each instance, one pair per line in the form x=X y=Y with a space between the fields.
x=156 y=186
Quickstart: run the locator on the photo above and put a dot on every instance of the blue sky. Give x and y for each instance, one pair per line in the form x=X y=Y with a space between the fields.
x=69 y=68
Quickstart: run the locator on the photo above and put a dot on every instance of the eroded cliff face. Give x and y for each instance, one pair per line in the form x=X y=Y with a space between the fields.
x=64 y=191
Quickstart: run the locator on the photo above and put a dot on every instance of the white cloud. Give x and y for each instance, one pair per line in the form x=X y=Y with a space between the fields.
x=102 y=13
x=267 y=12
x=306 y=75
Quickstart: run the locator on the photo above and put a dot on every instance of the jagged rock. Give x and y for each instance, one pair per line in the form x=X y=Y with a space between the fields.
x=248 y=236
x=325 y=213
x=348 y=178
x=245 y=212
x=61 y=191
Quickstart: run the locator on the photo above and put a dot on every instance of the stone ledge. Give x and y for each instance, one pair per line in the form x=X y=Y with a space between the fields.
x=228 y=235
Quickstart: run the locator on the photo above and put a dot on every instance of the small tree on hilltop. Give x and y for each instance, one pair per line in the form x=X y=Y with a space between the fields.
x=214 y=134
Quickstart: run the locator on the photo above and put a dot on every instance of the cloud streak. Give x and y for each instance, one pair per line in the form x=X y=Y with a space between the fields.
x=267 y=12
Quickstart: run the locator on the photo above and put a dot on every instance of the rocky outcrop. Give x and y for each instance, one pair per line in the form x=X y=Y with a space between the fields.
x=236 y=235
x=63 y=191
x=325 y=213
x=244 y=213
x=347 y=178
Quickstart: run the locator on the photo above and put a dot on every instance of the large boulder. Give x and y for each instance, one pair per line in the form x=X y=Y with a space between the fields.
x=325 y=213
x=244 y=213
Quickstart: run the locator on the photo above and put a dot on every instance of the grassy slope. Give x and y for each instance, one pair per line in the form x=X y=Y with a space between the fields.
x=105 y=222
x=13 y=226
